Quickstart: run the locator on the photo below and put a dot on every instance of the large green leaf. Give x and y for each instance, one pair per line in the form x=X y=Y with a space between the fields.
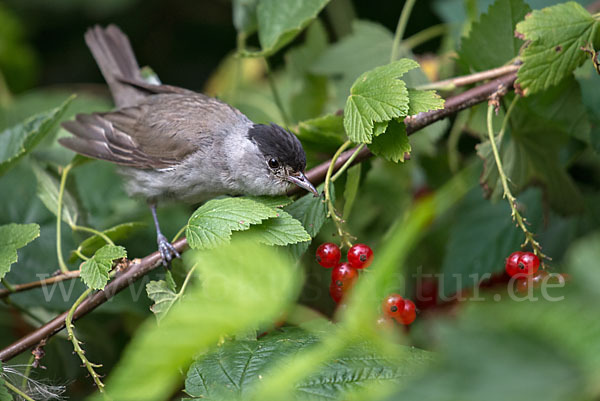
x=19 y=140
x=237 y=293
x=281 y=230
x=279 y=21
x=95 y=271
x=230 y=371
x=491 y=42
x=557 y=34
x=393 y=144
x=213 y=223
x=163 y=296
x=12 y=237
x=376 y=96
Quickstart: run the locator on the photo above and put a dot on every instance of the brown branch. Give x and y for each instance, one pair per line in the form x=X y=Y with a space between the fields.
x=40 y=283
x=122 y=280
x=452 y=83
x=316 y=175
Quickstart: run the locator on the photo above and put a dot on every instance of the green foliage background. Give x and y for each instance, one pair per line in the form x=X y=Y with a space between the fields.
x=252 y=263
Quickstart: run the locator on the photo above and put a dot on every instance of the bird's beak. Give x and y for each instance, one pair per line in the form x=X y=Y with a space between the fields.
x=303 y=182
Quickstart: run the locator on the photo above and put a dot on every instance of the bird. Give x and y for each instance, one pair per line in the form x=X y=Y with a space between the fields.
x=175 y=144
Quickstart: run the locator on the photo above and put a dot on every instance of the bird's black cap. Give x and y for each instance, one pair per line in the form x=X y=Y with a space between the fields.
x=274 y=141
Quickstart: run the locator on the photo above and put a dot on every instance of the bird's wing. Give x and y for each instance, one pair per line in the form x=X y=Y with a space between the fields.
x=159 y=132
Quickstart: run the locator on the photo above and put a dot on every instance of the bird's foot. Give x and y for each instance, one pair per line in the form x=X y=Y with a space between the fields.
x=167 y=251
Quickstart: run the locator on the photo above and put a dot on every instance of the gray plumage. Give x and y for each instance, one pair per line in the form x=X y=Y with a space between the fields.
x=173 y=143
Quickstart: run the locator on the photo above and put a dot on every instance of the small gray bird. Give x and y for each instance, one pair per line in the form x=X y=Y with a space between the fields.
x=176 y=144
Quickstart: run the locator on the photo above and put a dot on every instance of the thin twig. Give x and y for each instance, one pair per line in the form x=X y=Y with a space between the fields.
x=337 y=220
x=453 y=83
x=401 y=27
x=516 y=216
x=275 y=93
x=348 y=162
x=61 y=191
x=105 y=237
x=70 y=274
x=18 y=392
x=77 y=344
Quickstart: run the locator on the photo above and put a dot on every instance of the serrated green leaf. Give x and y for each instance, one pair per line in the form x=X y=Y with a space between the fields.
x=557 y=34
x=117 y=233
x=491 y=41
x=95 y=271
x=19 y=140
x=376 y=96
x=272 y=201
x=213 y=223
x=12 y=237
x=163 y=296
x=236 y=294
x=279 y=21
x=230 y=371
x=423 y=101
x=48 y=190
x=281 y=230
x=110 y=252
x=393 y=144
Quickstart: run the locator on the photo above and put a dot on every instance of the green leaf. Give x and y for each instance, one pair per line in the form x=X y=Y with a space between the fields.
x=325 y=133
x=244 y=16
x=557 y=34
x=230 y=371
x=491 y=41
x=481 y=238
x=48 y=190
x=237 y=293
x=311 y=211
x=272 y=201
x=351 y=189
x=279 y=21
x=19 y=140
x=281 y=230
x=117 y=233
x=376 y=96
x=393 y=144
x=12 y=237
x=424 y=101
x=213 y=223
x=95 y=271
x=163 y=296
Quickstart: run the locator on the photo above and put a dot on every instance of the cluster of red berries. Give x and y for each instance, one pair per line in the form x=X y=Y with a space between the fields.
x=344 y=274
x=401 y=310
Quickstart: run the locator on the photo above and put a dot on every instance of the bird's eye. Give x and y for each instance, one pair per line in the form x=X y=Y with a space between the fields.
x=273 y=163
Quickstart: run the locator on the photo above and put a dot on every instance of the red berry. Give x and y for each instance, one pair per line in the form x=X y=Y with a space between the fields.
x=336 y=292
x=328 y=255
x=408 y=314
x=343 y=275
x=360 y=256
x=530 y=262
x=393 y=305
x=522 y=263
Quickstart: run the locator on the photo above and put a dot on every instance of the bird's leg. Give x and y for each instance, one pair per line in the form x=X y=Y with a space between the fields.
x=167 y=251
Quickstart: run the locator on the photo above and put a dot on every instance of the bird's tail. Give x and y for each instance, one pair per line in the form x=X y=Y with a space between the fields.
x=113 y=54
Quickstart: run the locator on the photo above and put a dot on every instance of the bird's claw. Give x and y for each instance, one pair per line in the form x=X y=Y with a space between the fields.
x=167 y=251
